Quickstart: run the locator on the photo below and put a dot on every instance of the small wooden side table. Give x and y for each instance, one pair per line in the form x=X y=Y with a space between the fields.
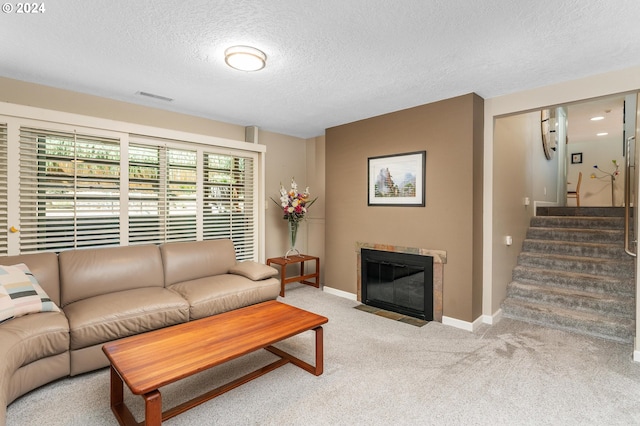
x=302 y=278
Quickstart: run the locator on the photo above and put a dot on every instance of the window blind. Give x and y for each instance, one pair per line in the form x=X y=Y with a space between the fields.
x=71 y=187
x=4 y=200
x=229 y=201
x=162 y=194
x=69 y=190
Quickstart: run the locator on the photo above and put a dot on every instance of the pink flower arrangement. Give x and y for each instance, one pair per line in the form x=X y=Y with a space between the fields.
x=294 y=204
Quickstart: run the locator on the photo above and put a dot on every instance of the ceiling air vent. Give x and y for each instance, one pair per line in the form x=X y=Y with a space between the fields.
x=157 y=97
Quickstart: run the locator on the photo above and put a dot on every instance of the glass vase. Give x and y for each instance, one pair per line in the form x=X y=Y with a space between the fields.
x=293 y=234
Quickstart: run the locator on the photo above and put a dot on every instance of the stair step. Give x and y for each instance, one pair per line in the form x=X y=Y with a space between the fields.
x=572 y=248
x=581 y=211
x=573 y=273
x=584 y=265
x=618 y=329
x=598 y=303
x=578 y=222
x=578 y=281
x=602 y=236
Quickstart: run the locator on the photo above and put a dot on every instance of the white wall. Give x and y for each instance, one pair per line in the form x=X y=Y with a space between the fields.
x=596 y=191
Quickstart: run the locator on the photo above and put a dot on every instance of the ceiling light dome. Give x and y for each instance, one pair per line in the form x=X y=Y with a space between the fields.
x=245 y=58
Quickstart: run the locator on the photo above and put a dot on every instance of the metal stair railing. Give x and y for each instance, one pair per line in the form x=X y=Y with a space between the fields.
x=627 y=197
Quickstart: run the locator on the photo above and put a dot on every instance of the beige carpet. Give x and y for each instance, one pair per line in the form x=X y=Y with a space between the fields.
x=381 y=372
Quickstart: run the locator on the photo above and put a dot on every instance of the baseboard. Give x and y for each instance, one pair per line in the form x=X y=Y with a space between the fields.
x=492 y=319
x=636 y=356
x=340 y=293
x=453 y=322
x=463 y=325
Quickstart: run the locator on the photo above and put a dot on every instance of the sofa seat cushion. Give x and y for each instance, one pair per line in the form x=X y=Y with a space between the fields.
x=221 y=293
x=111 y=316
x=29 y=338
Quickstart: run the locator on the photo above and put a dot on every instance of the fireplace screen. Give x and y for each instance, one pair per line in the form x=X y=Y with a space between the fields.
x=398 y=282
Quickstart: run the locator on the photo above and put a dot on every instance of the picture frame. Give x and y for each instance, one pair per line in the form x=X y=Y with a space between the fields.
x=397 y=180
x=576 y=158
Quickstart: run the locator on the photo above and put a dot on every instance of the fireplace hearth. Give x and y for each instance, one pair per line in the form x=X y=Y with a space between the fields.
x=398 y=282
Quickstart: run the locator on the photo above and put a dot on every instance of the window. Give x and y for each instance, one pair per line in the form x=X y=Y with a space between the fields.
x=162 y=194
x=229 y=201
x=74 y=193
x=69 y=190
x=4 y=200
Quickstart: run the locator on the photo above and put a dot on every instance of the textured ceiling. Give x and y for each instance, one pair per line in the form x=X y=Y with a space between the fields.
x=329 y=62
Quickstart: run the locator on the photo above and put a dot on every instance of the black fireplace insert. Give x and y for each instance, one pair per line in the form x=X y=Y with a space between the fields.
x=398 y=282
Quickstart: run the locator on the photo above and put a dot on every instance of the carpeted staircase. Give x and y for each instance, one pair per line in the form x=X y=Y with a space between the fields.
x=573 y=274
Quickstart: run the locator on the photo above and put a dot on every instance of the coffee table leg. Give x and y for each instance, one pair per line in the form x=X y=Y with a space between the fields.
x=120 y=411
x=313 y=369
x=319 y=351
x=283 y=277
x=116 y=388
x=153 y=408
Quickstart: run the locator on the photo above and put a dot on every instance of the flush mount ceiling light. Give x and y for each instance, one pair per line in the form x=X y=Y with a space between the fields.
x=245 y=58
x=598 y=118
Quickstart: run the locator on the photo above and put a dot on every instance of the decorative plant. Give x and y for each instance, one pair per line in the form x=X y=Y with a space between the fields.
x=294 y=207
x=294 y=204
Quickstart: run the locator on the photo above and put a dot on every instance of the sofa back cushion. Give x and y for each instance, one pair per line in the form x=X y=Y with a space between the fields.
x=87 y=273
x=185 y=261
x=44 y=267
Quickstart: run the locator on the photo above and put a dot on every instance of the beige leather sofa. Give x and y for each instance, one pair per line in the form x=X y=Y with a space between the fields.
x=109 y=293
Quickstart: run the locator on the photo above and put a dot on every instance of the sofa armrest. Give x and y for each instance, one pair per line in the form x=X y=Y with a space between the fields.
x=253 y=270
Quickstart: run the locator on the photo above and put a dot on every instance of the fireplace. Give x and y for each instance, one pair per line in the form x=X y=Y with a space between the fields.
x=398 y=282
x=438 y=260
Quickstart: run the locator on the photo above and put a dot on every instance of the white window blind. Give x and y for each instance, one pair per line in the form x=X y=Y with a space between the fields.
x=162 y=194
x=4 y=200
x=71 y=186
x=69 y=190
x=229 y=201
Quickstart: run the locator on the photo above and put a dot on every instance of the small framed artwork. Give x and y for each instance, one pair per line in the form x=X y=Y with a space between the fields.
x=397 y=180
x=576 y=158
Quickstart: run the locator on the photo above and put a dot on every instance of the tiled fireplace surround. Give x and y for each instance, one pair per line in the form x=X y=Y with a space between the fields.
x=439 y=259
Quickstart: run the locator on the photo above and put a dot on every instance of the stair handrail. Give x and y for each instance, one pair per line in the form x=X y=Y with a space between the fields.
x=627 y=196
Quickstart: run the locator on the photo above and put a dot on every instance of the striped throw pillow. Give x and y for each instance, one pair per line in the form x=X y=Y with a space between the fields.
x=20 y=293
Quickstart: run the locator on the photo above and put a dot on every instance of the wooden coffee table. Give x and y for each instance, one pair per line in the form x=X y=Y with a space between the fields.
x=148 y=361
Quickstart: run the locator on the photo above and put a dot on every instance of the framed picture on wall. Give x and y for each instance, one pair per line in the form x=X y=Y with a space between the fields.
x=576 y=158
x=397 y=180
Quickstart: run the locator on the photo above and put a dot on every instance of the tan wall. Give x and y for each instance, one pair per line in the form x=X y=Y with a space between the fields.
x=285 y=159
x=478 y=206
x=22 y=93
x=316 y=166
x=515 y=139
x=451 y=133
x=289 y=157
